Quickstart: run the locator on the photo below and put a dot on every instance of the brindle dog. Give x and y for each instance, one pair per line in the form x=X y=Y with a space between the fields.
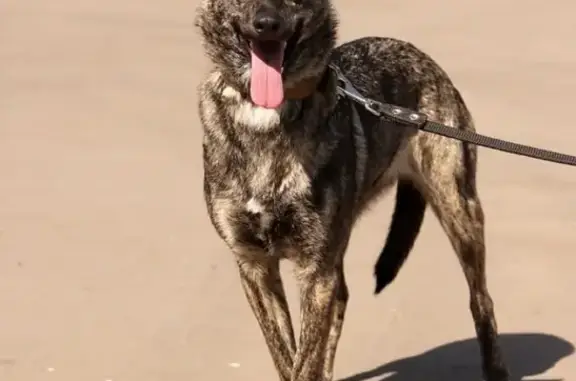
x=289 y=166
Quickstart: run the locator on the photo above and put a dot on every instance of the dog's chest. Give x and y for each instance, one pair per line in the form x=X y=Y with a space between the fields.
x=269 y=191
x=275 y=175
x=266 y=227
x=274 y=182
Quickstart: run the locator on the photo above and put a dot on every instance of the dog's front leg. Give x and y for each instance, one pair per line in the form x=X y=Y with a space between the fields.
x=319 y=288
x=265 y=292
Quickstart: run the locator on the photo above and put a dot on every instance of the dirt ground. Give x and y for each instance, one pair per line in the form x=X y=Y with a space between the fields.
x=110 y=270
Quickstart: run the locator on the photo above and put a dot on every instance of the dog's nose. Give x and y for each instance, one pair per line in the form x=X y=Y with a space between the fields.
x=267 y=24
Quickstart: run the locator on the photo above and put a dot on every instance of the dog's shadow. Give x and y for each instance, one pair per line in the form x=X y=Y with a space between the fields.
x=527 y=354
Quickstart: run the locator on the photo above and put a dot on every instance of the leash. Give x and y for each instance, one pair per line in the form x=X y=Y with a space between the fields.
x=410 y=118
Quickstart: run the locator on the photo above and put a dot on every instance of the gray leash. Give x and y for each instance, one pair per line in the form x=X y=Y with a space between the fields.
x=410 y=118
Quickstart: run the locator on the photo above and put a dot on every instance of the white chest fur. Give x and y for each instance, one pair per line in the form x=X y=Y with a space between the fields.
x=248 y=114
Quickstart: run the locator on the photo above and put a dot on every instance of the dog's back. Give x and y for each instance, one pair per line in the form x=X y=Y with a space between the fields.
x=396 y=72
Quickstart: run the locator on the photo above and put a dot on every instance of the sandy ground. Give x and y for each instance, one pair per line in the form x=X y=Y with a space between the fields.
x=109 y=269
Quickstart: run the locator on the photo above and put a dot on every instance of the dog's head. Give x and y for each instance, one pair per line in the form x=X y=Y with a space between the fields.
x=262 y=47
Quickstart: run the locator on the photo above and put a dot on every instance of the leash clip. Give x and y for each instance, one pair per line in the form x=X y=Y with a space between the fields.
x=383 y=110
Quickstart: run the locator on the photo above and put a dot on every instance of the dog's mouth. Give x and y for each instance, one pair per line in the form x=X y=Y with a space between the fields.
x=268 y=60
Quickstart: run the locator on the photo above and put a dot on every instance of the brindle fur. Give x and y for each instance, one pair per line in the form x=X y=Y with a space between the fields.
x=291 y=183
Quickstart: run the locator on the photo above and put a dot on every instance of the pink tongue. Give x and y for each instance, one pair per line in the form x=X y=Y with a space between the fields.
x=266 y=88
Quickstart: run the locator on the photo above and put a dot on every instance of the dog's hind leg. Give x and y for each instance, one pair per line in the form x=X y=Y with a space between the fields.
x=448 y=176
x=265 y=292
x=336 y=329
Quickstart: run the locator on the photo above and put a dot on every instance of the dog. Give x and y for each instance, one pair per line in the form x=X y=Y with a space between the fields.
x=289 y=166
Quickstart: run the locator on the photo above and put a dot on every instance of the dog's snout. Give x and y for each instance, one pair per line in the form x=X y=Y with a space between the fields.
x=268 y=24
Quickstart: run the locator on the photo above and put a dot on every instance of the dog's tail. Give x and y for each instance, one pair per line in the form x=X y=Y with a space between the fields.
x=404 y=228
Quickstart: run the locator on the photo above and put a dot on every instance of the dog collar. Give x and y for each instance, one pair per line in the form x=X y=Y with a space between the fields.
x=304 y=88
